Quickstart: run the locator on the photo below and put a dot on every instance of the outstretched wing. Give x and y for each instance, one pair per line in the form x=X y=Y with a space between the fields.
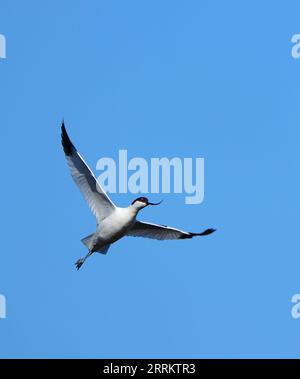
x=162 y=232
x=98 y=201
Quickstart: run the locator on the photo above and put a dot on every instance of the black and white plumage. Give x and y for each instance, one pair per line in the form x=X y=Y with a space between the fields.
x=97 y=199
x=162 y=232
x=113 y=222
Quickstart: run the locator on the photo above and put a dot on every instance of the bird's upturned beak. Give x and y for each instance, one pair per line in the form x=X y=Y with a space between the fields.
x=154 y=203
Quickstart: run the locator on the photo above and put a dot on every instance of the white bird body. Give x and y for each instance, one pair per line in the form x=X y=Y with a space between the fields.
x=114 y=227
x=113 y=222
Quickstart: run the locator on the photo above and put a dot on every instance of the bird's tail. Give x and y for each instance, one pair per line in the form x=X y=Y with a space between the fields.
x=103 y=250
x=87 y=241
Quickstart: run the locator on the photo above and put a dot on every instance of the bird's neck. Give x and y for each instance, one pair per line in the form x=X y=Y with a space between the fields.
x=134 y=209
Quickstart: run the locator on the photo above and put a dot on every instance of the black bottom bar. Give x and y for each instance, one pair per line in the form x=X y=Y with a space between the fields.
x=95 y=368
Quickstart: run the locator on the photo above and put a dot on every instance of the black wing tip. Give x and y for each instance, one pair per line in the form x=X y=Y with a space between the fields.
x=208 y=231
x=205 y=233
x=185 y=236
x=65 y=140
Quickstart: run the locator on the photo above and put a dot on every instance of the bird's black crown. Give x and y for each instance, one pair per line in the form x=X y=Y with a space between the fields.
x=141 y=199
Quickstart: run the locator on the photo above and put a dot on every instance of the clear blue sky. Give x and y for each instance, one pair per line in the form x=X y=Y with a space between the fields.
x=162 y=78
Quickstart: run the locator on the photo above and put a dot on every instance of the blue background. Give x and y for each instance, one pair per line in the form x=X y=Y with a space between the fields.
x=162 y=78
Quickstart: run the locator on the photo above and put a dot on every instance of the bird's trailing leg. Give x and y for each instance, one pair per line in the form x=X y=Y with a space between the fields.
x=81 y=261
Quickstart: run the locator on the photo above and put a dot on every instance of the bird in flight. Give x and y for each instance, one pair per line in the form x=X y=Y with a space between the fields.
x=113 y=222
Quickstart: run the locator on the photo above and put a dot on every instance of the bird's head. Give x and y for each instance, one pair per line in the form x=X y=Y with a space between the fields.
x=142 y=202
